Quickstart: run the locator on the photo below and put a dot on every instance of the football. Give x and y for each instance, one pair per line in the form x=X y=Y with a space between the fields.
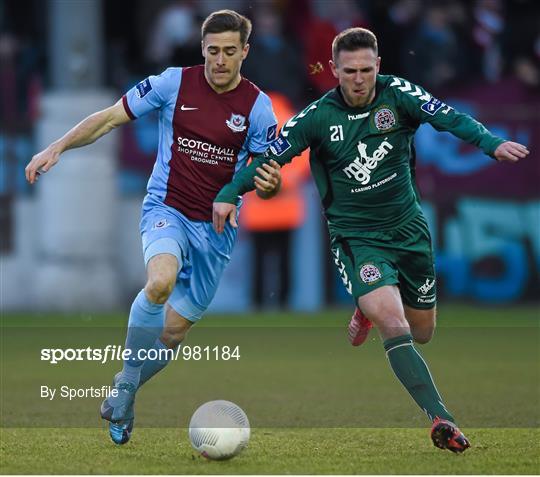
x=219 y=430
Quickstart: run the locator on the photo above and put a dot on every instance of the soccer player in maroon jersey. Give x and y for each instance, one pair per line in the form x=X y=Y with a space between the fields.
x=211 y=120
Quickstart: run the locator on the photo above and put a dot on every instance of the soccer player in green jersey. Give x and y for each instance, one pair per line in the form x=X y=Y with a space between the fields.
x=362 y=159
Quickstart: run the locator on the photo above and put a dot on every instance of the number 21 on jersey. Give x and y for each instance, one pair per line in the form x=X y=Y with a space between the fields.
x=336 y=133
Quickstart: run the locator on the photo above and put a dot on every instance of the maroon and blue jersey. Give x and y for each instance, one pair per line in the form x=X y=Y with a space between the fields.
x=205 y=138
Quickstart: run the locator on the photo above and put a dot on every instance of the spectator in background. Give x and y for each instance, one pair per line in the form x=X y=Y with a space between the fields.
x=175 y=37
x=434 y=56
x=272 y=222
x=277 y=66
x=396 y=21
x=20 y=83
x=521 y=43
x=489 y=23
x=206 y=7
x=329 y=19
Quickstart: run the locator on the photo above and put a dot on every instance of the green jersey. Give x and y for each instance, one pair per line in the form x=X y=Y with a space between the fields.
x=362 y=158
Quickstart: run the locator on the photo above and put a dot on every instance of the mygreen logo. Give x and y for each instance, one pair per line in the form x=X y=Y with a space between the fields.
x=361 y=168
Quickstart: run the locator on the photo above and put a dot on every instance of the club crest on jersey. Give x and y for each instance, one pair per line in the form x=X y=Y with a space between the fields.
x=384 y=119
x=369 y=273
x=236 y=123
x=143 y=88
x=161 y=224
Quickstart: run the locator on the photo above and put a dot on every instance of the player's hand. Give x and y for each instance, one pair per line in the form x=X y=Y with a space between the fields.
x=221 y=212
x=268 y=180
x=41 y=163
x=511 y=151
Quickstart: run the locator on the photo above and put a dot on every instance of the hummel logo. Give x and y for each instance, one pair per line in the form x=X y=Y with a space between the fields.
x=187 y=108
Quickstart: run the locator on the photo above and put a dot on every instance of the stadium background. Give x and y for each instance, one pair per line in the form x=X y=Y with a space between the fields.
x=72 y=242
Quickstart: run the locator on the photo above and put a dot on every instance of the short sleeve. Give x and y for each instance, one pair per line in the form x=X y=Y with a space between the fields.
x=152 y=93
x=262 y=125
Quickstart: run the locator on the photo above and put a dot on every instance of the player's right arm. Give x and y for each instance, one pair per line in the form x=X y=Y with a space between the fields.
x=86 y=132
x=148 y=95
x=296 y=135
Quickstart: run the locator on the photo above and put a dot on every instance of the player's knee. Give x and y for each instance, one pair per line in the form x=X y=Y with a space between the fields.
x=389 y=320
x=422 y=336
x=158 y=289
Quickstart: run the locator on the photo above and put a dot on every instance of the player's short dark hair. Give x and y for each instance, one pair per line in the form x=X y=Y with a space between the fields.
x=354 y=39
x=227 y=20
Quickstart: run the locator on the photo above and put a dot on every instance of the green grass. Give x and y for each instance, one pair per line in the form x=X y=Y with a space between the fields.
x=316 y=404
x=276 y=451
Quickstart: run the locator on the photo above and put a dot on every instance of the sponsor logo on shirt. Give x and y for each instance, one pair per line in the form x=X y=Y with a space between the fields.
x=236 y=123
x=384 y=119
x=369 y=273
x=271 y=133
x=205 y=152
x=279 y=146
x=362 y=167
x=432 y=106
x=143 y=88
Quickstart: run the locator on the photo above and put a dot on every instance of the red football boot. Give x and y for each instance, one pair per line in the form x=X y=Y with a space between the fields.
x=359 y=327
x=446 y=435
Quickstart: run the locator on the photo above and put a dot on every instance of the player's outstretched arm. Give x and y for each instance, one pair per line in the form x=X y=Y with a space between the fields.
x=86 y=132
x=511 y=151
x=267 y=185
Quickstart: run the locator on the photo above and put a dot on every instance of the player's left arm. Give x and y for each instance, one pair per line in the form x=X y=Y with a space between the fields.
x=296 y=136
x=268 y=180
x=424 y=108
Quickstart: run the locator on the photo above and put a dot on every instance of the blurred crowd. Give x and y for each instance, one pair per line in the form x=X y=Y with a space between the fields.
x=439 y=44
x=434 y=43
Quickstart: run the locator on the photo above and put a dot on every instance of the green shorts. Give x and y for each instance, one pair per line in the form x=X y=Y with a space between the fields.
x=401 y=256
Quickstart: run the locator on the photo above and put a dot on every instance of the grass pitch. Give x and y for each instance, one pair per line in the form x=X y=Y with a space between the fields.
x=316 y=405
x=270 y=451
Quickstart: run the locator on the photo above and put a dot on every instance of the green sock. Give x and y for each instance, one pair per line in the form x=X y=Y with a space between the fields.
x=414 y=374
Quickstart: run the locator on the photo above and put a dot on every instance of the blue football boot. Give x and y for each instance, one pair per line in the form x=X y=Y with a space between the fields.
x=119 y=411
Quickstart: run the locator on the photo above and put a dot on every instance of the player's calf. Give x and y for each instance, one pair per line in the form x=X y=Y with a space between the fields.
x=422 y=336
x=422 y=323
